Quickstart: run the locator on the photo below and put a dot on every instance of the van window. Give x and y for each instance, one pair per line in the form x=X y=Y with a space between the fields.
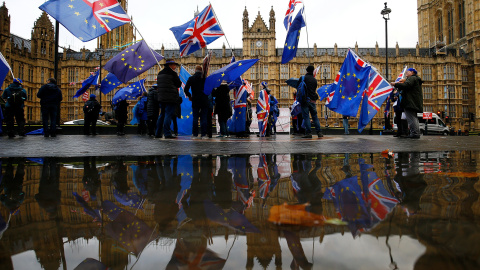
x=421 y=120
x=440 y=122
x=432 y=121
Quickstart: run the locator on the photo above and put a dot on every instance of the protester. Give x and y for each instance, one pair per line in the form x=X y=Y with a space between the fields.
x=248 y=123
x=91 y=109
x=412 y=100
x=15 y=97
x=168 y=83
x=153 y=109
x=50 y=97
x=345 y=124
x=142 y=114
x=274 y=113
x=222 y=107
x=177 y=115
x=121 y=115
x=402 y=126
x=263 y=112
x=309 y=106
x=199 y=101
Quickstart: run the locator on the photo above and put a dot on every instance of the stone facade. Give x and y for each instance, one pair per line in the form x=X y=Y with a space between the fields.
x=449 y=73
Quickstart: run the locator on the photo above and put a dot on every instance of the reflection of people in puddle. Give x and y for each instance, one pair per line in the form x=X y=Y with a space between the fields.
x=410 y=180
x=12 y=185
x=91 y=177
x=223 y=185
x=119 y=178
x=310 y=187
x=295 y=246
x=48 y=196
x=201 y=189
x=346 y=166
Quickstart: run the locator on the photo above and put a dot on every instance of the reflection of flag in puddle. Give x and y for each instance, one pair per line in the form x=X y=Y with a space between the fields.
x=86 y=208
x=264 y=180
x=131 y=232
x=130 y=199
x=91 y=264
x=238 y=166
x=185 y=170
x=188 y=256
x=231 y=219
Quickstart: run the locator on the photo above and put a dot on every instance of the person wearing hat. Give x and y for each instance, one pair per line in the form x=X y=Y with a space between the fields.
x=309 y=106
x=91 y=109
x=168 y=83
x=412 y=100
x=50 y=96
x=15 y=96
x=199 y=101
x=153 y=109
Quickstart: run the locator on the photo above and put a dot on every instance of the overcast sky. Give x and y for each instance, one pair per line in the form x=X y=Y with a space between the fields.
x=344 y=22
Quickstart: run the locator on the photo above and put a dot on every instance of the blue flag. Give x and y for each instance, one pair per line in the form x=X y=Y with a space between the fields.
x=239 y=118
x=324 y=91
x=131 y=92
x=133 y=61
x=109 y=83
x=186 y=122
x=228 y=73
x=92 y=80
x=87 y=19
x=4 y=69
x=293 y=36
x=352 y=82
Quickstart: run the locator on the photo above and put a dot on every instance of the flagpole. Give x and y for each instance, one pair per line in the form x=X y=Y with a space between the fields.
x=306 y=30
x=218 y=21
x=133 y=24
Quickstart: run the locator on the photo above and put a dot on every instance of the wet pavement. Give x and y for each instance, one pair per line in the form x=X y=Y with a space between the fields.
x=78 y=202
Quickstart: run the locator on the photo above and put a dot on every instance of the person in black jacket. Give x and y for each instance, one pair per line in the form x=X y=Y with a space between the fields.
x=199 y=101
x=15 y=96
x=50 y=96
x=153 y=109
x=309 y=106
x=168 y=83
x=121 y=114
x=223 y=108
x=91 y=109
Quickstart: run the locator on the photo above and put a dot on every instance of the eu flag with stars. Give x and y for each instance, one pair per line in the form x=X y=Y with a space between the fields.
x=92 y=80
x=324 y=91
x=229 y=73
x=133 y=61
x=353 y=80
x=185 y=123
x=293 y=36
x=131 y=92
x=87 y=19
x=109 y=83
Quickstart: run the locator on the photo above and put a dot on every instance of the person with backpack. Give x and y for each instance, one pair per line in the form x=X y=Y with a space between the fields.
x=153 y=109
x=50 y=96
x=15 y=97
x=91 y=110
x=308 y=97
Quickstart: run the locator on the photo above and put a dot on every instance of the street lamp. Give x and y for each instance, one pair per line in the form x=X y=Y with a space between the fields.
x=326 y=114
x=386 y=16
x=100 y=54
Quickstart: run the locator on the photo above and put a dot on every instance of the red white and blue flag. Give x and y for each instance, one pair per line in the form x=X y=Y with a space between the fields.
x=402 y=75
x=198 y=33
x=263 y=109
x=87 y=19
x=264 y=179
x=289 y=14
x=378 y=91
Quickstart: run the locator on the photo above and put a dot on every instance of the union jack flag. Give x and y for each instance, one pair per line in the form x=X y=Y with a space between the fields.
x=289 y=14
x=239 y=100
x=264 y=179
x=381 y=202
x=263 y=108
x=87 y=19
x=401 y=75
x=201 y=31
x=85 y=96
x=248 y=87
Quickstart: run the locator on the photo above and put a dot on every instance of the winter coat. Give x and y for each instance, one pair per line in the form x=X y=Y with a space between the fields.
x=196 y=83
x=92 y=108
x=311 y=91
x=7 y=95
x=142 y=109
x=222 y=102
x=412 y=96
x=49 y=94
x=152 y=103
x=168 y=83
x=121 y=111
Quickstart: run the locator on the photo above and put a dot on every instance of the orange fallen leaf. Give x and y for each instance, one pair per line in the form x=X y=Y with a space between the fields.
x=296 y=215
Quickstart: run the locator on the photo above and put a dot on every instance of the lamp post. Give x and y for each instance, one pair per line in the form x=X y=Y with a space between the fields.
x=386 y=16
x=326 y=114
x=100 y=55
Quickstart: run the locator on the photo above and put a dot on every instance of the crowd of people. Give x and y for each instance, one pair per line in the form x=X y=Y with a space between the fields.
x=161 y=105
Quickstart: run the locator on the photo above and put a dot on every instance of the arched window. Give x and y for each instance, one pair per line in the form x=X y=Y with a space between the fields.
x=461 y=19
x=450 y=38
x=439 y=26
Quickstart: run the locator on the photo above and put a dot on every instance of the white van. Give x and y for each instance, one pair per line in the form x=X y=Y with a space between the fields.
x=435 y=125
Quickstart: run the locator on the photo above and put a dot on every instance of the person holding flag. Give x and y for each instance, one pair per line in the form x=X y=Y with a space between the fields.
x=199 y=101
x=222 y=107
x=309 y=106
x=263 y=111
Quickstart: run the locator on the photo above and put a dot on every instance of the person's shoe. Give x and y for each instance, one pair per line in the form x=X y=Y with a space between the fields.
x=45 y=135
x=320 y=135
x=307 y=136
x=170 y=137
x=22 y=135
x=396 y=135
x=220 y=136
x=413 y=136
x=53 y=135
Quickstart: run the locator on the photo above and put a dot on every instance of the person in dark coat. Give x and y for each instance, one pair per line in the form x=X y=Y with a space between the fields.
x=402 y=125
x=199 y=101
x=223 y=108
x=153 y=109
x=121 y=114
x=15 y=97
x=168 y=83
x=50 y=97
x=309 y=106
x=412 y=100
x=142 y=114
x=91 y=109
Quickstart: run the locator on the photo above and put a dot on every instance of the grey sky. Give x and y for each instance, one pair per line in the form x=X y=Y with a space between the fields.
x=344 y=22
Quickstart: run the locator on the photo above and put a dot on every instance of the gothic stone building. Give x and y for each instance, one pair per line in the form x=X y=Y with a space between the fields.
x=446 y=58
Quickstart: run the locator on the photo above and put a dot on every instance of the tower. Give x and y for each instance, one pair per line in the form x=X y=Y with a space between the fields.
x=4 y=27
x=119 y=36
x=43 y=37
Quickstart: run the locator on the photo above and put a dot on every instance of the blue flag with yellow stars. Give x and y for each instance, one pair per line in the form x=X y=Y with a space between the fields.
x=185 y=123
x=131 y=92
x=109 y=83
x=229 y=73
x=92 y=80
x=293 y=36
x=352 y=82
x=133 y=61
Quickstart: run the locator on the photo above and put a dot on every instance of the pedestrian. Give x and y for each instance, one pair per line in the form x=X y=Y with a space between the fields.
x=50 y=97
x=412 y=100
x=274 y=112
x=199 y=101
x=153 y=109
x=15 y=97
x=91 y=109
x=400 y=119
x=223 y=108
x=121 y=114
x=309 y=106
x=2 y=109
x=248 y=123
x=345 y=124
x=142 y=114
x=177 y=115
x=168 y=83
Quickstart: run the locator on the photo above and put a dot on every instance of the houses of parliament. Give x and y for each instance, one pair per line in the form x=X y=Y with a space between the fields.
x=447 y=57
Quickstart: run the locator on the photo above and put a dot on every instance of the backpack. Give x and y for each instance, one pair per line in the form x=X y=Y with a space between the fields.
x=16 y=98
x=301 y=91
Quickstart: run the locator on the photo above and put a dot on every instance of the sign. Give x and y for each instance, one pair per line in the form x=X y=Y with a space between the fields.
x=427 y=115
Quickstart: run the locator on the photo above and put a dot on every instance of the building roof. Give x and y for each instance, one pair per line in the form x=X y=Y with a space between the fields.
x=17 y=43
